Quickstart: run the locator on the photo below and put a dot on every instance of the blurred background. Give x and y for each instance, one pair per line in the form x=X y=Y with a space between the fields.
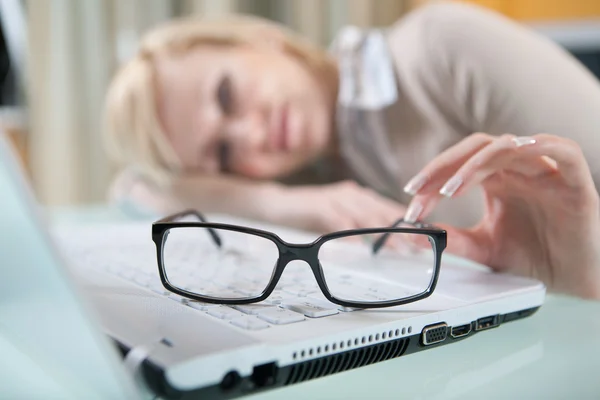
x=58 y=56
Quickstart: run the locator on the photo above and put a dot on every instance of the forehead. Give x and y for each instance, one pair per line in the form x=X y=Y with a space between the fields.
x=174 y=70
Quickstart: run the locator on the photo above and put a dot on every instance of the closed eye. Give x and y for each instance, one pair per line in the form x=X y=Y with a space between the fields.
x=225 y=95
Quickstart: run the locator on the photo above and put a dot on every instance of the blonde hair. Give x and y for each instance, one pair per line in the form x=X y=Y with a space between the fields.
x=134 y=134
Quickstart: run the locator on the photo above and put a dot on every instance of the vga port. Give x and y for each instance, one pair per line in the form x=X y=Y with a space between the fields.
x=435 y=333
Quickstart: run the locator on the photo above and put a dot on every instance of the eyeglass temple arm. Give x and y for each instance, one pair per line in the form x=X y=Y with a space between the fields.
x=186 y=213
x=379 y=243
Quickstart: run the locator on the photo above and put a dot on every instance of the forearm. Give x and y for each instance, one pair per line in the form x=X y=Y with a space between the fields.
x=226 y=194
x=207 y=194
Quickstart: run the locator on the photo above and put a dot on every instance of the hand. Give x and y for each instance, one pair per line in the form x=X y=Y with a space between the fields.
x=333 y=207
x=542 y=208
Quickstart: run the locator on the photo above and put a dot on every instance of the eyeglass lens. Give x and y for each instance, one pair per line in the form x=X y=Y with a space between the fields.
x=402 y=268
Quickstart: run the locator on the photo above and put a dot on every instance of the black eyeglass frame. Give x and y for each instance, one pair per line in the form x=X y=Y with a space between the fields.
x=308 y=252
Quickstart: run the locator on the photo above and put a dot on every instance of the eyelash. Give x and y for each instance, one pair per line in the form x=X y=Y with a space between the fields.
x=225 y=96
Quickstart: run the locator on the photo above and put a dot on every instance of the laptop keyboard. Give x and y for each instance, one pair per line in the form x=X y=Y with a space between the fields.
x=296 y=299
x=289 y=303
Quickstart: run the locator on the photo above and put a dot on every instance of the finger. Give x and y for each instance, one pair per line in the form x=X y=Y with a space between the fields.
x=502 y=154
x=421 y=206
x=472 y=244
x=388 y=211
x=498 y=154
x=349 y=202
x=468 y=243
x=337 y=221
x=567 y=155
x=443 y=166
x=533 y=167
x=460 y=174
x=368 y=210
x=522 y=155
x=354 y=215
x=350 y=210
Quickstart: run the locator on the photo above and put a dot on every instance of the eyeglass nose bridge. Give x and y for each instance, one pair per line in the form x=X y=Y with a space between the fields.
x=293 y=252
x=308 y=253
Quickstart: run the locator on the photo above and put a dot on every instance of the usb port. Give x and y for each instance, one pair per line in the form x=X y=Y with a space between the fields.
x=460 y=331
x=487 y=322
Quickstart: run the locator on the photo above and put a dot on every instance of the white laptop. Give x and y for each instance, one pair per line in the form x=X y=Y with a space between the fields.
x=188 y=349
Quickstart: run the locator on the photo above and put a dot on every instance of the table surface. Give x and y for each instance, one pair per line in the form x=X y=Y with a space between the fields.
x=555 y=354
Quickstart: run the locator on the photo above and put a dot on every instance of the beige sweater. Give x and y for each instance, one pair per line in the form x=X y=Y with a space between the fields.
x=460 y=69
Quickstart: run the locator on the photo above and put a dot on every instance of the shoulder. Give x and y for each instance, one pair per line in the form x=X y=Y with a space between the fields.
x=448 y=29
x=449 y=18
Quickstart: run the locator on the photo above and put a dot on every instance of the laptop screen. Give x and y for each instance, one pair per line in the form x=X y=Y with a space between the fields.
x=43 y=319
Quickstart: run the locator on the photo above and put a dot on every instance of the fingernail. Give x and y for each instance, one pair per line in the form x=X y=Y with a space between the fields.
x=416 y=183
x=451 y=186
x=413 y=212
x=550 y=161
x=523 y=141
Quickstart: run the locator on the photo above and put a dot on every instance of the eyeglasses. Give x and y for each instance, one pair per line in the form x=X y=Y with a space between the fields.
x=360 y=268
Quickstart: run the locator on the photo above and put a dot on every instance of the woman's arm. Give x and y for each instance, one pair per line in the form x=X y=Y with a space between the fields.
x=321 y=208
x=227 y=194
x=208 y=194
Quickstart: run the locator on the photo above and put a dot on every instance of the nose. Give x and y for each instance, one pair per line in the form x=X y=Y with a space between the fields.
x=247 y=132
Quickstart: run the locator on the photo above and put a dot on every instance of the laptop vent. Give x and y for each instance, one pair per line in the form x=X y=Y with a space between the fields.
x=347 y=344
x=345 y=361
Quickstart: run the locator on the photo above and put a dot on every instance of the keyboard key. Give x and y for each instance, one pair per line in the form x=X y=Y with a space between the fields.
x=249 y=291
x=311 y=307
x=249 y=323
x=375 y=297
x=254 y=309
x=158 y=288
x=323 y=299
x=300 y=292
x=276 y=297
x=223 y=312
x=274 y=300
x=198 y=305
x=350 y=295
x=281 y=316
x=348 y=309
x=178 y=298
x=223 y=293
